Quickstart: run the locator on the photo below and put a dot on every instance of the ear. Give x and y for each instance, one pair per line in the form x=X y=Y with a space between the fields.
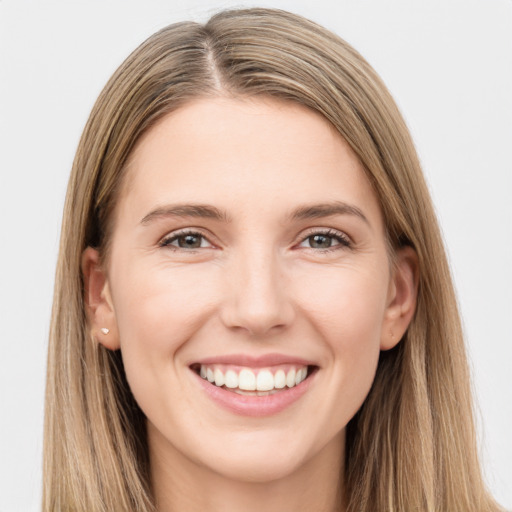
x=98 y=301
x=402 y=296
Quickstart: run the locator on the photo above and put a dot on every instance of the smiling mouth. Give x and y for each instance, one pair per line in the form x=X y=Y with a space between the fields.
x=254 y=382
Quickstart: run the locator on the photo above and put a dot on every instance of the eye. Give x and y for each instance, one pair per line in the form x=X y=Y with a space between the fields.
x=185 y=240
x=326 y=240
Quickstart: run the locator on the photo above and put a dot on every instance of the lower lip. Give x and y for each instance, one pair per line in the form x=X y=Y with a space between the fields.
x=248 y=405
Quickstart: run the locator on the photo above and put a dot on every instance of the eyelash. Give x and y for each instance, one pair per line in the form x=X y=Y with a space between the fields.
x=342 y=239
x=167 y=240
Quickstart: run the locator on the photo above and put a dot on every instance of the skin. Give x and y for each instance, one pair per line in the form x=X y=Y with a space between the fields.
x=257 y=284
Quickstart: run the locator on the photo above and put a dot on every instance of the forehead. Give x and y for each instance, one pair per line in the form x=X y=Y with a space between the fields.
x=249 y=153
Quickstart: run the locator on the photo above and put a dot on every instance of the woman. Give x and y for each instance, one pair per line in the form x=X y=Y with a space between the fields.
x=253 y=306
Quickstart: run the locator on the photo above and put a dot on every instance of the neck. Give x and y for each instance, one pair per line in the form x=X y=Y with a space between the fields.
x=182 y=485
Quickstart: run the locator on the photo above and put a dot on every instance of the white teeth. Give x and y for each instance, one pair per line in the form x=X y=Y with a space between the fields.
x=230 y=379
x=219 y=378
x=246 y=380
x=290 y=378
x=262 y=381
x=279 y=379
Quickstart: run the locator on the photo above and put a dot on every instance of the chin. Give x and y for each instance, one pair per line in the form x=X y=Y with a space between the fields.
x=264 y=468
x=267 y=456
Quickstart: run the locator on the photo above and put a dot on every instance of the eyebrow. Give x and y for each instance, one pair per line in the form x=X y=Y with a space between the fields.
x=316 y=211
x=206 y=211
x=203 y=211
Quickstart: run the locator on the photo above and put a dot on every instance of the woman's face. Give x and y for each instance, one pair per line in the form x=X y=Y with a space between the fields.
x=249 y=248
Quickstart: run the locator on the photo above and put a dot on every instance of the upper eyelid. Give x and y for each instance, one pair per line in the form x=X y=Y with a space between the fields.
x=184 y=231
x=324 y=230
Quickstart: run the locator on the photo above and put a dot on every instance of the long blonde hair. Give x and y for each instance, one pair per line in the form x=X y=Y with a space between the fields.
x=412 y=444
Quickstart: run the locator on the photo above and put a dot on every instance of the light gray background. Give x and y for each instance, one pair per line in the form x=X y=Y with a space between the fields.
x=447 y=62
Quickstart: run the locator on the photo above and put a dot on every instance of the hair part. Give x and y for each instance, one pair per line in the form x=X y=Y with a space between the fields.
x=412 y=444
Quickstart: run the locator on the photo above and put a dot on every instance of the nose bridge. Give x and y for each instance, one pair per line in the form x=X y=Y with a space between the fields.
x=258 y=300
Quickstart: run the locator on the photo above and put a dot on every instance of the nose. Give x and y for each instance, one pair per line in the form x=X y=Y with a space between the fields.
x=258 y=300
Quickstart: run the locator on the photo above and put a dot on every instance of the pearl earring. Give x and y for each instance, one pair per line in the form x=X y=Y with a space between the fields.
x=104 y=330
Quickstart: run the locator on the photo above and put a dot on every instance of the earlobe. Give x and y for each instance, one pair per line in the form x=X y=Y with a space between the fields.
x=402 y=298
x=98 y=301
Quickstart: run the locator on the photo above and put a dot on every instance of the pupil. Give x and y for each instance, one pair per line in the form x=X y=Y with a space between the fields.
x=320 y=241
x=190 y=241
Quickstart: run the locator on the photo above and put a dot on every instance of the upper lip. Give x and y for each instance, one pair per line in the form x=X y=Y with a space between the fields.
x=250 y=361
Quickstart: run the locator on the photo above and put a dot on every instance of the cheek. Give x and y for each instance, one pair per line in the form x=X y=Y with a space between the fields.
x=358 y=321
x=347 y=304
x=157 y=312
x=347 y=312
x=157 y=307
